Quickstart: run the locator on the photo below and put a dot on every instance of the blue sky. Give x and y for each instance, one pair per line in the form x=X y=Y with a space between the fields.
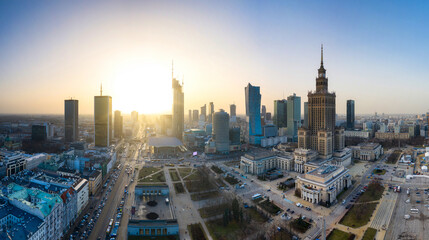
x=376 y=52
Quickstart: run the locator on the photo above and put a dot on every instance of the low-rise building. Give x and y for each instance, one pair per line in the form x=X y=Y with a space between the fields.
x=46 y=206
x=94 y=181
x=152 y=214
x=35 y=160
x=302 y=156
x=392 y=136
x=357 y=134
x=11 y=162
x=82 y=189
x=323 y=184
x=367 y=151
x=259 y=162
x=16 y=224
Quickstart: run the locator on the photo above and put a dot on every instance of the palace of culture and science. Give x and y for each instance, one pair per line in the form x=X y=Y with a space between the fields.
x=321 y=134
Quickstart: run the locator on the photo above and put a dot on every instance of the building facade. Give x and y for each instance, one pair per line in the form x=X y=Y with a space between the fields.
x=118 y=125
x=71 y=120
x=293 y=117
x=253 y=114
x=350 y=114
x=258 y=163
x=103 y=120
x=367 y=151
x=280 y=113
x=320 y=133
x=178 y=109
x=323 y=184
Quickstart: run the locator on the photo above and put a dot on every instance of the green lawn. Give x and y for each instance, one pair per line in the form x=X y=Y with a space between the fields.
x=300 y=225
x=195 y=176
x=174 y=175
x=216 y=169
x=379 y=171
x=358 y=215
x=157 y=177
x=198 y=186
x=220 y=232
x=369 y=234
x=255 y=215
x=215 y=210
x=147 y=171
x=205 y=195
x=231 y=180
x=179 y=187
x=340 y=235
x=373 y=192
x=269 y=207
x=184 y=171
x=196 y=231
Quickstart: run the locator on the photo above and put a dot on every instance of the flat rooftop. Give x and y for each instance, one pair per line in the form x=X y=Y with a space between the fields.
x=161 y=208
x=324 y=170
x=257 y=154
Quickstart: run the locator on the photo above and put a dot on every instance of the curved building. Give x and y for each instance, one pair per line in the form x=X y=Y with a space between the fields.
x=221 y=131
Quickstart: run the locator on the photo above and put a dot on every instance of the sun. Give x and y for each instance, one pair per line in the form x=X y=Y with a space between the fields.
x=142 y=86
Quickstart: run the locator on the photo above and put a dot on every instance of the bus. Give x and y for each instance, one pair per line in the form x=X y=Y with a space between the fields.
x=108 y=231
x=256 y=196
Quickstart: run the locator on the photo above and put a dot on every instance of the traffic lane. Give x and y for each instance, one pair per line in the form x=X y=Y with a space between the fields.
x=105 y=216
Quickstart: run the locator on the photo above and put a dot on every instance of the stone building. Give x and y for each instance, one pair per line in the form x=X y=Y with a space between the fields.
x=323 y=184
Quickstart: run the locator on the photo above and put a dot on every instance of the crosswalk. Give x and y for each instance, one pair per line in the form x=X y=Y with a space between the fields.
x=384 y=213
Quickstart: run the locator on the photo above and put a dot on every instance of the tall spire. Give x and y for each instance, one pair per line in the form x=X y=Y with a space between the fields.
x=101 y=89
x=321 y=62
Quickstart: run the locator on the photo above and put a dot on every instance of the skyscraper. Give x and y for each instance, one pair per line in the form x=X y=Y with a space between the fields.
x=210 y=113
x=232 y=110
x=320 y=133
x=134 y=117
x=71 y=120
x=178 y=108
x=103 y=120
x=253 y=114
x=190 y=116
x=305 y=124
x=293 y=116
x=350 y=114
x=263 y=111
x=118 y=124
x=221 y=131
x=280 y=113
x=195 y=115
x=203 y=113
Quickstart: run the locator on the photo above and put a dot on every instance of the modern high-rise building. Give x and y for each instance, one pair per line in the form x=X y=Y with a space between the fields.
x=118 y=124
x=103 y=120
x=305 y=115
x=293 y=117
x=233 y=110
x=321 y=132
x=280 y=113
x=195 y=115
x=210 y=113
x=71 y=120
x=253 y=114
x=178 y=109
x=190 y=116
x=203 y=113
x=263 y=111
x=221 y=131
x=134 y=117
x=350 y=114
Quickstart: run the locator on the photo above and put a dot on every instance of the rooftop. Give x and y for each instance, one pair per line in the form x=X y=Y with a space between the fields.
x=324 y=170
x=33 y=198
x=257 y=154
x=28 y=224
x=161 y=208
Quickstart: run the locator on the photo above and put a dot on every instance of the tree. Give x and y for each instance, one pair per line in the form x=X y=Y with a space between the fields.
x=235 y=209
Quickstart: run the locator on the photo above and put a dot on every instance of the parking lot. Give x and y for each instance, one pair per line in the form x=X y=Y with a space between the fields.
x=417 y=226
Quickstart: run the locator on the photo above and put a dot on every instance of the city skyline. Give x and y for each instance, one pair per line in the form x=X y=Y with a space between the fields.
x=370 y=58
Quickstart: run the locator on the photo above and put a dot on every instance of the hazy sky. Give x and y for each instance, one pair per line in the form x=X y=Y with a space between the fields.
x=376 y=52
